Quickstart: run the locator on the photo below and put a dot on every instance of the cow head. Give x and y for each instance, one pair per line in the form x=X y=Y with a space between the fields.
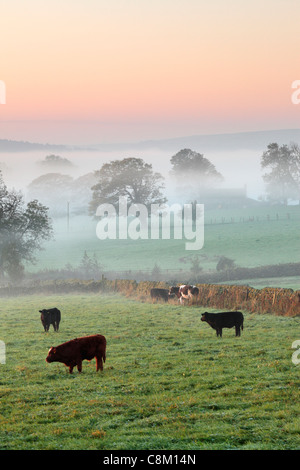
x=51 y=355
x=45 y=313
x=204 y=317
x=173 y=291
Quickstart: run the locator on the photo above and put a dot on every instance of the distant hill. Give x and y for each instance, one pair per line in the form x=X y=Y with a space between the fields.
x=257 y=140
x=21 y=146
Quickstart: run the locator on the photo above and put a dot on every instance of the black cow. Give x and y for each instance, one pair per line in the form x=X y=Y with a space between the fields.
x=49 y=317
x=224 y=320
x=157 y=294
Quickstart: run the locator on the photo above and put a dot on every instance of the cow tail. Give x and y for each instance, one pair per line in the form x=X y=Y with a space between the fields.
x=104 y=353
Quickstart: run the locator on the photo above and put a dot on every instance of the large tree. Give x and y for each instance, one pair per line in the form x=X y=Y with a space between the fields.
x=193 y=173
x=23 y=227
x=56 y=190
x=130 y=177
x=283 y=176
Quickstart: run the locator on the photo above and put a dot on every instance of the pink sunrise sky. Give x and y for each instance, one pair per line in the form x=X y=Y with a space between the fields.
x=123 y=70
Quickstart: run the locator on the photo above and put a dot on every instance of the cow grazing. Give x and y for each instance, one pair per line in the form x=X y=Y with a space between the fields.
x=189 y=292
x=174 y=291
x=157 y=294
x=73 y=352
x=51 y=316
x=224 y=320
x=184 y=292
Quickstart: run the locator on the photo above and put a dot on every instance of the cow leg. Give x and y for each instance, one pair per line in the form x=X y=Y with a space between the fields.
x=71 y=369
x=99 y=363
x=219 y=332
x=237 y=331
x=79 y=366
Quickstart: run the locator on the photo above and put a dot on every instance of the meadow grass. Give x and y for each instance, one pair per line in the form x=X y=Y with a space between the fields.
x=251 y=243
x=168 y=381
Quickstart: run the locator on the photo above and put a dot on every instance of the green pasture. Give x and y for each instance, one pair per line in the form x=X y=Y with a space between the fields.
x=255 y=236
x=168 y=381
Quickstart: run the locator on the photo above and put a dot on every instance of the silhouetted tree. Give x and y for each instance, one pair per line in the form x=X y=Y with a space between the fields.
x=225 y=264
x=22 y=231
x=130 y=177
x=194 y=174
x=283 y=178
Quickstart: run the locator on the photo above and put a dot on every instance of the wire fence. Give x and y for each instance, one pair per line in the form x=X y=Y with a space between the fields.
x=242 y=219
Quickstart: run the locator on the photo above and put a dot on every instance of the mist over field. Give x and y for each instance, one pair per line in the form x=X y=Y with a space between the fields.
x=239 y=168
x=236 y=156
x=235 y=227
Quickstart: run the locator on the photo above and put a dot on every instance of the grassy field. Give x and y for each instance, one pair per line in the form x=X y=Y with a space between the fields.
x=262 y=241
x=289 y=282
x=168 y=381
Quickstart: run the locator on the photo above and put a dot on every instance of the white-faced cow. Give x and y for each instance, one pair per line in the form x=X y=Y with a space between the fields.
x=184 y=292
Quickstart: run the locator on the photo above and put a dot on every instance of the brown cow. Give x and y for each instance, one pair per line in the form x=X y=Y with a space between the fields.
x=73 y=352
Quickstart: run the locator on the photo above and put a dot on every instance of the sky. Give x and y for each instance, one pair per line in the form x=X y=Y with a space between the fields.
x=126 y=70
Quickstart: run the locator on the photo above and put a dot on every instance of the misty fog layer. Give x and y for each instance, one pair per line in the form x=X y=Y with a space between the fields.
x=238 y=168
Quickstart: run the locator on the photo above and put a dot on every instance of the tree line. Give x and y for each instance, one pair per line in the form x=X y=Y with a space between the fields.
x=194 y=178
x=194 y=175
